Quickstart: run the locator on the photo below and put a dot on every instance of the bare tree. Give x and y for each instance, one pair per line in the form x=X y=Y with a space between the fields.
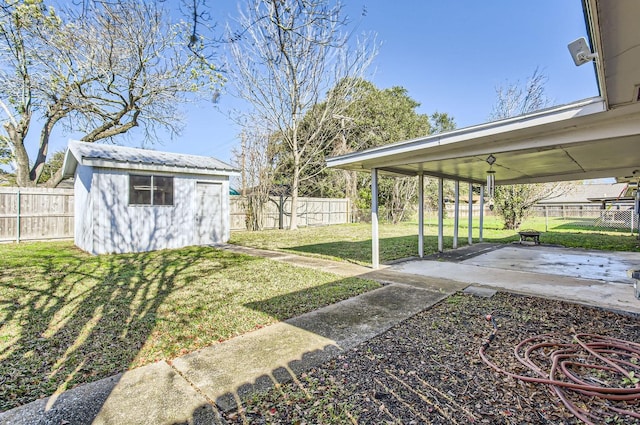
x=513 y=202
x=292 y=56
x=255 y=159
x=515 y=99
x=99 y=69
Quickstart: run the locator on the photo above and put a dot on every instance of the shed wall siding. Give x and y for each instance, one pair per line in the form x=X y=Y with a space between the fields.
x=120 y=228
x=83 y=208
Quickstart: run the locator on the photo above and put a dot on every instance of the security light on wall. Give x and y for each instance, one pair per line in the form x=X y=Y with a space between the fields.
x=581 y=52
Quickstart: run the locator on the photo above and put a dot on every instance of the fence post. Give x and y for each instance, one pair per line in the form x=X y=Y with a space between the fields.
x=546 y=219
x=281 y=213
x=632 y=223
x=18 y=218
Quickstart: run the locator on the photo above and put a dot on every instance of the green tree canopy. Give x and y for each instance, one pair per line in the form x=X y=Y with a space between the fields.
x=375 y=117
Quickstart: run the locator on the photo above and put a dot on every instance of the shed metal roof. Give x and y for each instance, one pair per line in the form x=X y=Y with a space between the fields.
x=120 y=157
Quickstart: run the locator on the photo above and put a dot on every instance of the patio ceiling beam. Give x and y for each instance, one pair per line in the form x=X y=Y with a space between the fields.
x=411 y=173
x=397 y=171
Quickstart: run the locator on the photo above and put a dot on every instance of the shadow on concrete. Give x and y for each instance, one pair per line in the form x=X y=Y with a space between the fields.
x=465 y=252
x=281 y=352
x=291 y=371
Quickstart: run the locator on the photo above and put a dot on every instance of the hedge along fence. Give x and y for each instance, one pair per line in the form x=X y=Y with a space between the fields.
x=35 y=214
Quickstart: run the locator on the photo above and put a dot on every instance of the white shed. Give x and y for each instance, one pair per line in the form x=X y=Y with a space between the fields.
x=136 y=200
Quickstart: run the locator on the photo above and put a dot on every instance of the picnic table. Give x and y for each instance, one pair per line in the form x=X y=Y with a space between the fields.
x=530 y=234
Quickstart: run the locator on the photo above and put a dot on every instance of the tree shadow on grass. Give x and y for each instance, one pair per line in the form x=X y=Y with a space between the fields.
x=391 y=249
x=87 y=320
x=292 y=304
x=308 y=340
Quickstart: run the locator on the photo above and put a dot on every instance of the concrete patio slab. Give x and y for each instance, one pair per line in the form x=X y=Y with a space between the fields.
x=609 y=287
x=577 y=263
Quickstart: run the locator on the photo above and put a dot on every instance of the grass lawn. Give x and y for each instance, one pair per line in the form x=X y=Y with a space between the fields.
x=67 y=317
x=352 y=242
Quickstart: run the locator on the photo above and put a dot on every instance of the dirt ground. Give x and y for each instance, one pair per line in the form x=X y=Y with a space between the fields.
x=427 y=370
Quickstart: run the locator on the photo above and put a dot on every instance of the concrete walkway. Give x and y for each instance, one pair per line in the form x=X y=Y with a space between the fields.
x=191 y=389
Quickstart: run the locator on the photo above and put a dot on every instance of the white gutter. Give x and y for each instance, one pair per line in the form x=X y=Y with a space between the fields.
x=592 y=20
x=546 y=116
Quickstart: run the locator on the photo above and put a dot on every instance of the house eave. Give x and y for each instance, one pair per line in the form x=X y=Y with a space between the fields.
x=495 y=128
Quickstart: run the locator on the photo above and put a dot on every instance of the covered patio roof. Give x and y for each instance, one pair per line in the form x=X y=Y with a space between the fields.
x=570 y=142
x=593 y=138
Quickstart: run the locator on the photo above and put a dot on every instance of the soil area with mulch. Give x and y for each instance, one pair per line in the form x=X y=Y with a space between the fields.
x=427 y=370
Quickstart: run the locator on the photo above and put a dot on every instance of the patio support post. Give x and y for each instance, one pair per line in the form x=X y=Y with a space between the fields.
x=470 y=213
x=440 y=214
x=456 y=212
x=375 y=249
x=421 y=214
x=481 y=224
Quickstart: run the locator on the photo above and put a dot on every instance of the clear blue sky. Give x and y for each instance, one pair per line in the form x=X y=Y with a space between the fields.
x=449 y=55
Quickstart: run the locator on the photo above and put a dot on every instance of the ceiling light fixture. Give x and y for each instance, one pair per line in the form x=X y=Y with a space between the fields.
x=491 y=177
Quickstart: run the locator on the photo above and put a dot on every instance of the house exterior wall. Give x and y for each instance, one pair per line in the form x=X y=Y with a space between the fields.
x=118 y=227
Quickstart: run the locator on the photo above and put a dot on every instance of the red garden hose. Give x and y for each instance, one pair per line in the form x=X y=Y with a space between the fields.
x=588 y=364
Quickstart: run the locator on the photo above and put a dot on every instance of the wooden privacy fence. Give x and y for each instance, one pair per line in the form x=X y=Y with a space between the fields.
x=44 y=214
x=277 y=212
x=35 y=214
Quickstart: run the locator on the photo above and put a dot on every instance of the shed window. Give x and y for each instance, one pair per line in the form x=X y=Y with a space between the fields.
x=150 y=190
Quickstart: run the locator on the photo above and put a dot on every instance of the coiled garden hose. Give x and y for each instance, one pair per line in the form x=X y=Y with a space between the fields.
x=590 y=365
